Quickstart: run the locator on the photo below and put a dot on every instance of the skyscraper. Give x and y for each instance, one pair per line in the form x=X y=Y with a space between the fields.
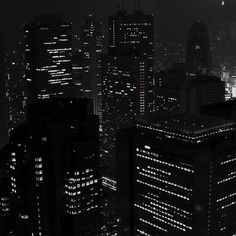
x=4 y=113
x=77 y=72
x=55 y=171
x=198 y=55
x=133 y=34
x=182 y=179
x=16 y=86
x=175 y=90
x=124 y=91
x=48 y=52
x=92 y=47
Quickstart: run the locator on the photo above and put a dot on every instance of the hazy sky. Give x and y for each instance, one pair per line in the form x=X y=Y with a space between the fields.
x=172 y=17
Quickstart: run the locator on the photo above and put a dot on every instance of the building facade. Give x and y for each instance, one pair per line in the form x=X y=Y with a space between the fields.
x=183 y=169
x=48 y=58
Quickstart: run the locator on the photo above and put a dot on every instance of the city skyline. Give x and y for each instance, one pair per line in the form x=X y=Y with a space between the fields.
x=168 y=14
x=118 y=118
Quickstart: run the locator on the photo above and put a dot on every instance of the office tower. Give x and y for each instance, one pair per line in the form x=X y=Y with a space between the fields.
x=5 y=187
x=16 y=86
x=92 y=47
x=177 y=176
x=198 y=55
x=48 y=52
x=55 y=172
x=124 y=91
x=77 y=72
x=175 y=90
x=3 y=93
x=207 y=90
x=132 y=34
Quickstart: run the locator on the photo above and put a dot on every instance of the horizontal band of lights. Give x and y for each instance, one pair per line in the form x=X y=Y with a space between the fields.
x=159 y=161
x=227 y=179
x=228 y=205
x=109 y=183
x=163 y=190
x=154 y=225
x=226 y=197
x=164 y=181
x=165 y=219
x=165 y=206
x=192 y=138
x=143 y=233
x=228 y=161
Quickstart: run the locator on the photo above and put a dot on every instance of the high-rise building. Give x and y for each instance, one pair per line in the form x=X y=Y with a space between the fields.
x=133 y=34
x=124 y=91
x=4 y=113
x=175 y=90
x=198 y=55
x=92 y=48
x=77 y=72
x=48 y=52
x=177 y=176
x=55 y=170
x=6 y=222
x=16 y=85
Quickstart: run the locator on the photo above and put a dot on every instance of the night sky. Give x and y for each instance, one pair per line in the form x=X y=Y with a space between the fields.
x=172 y=17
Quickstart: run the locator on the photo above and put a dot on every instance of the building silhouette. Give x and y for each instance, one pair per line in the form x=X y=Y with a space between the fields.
x=133 y=34
x=6 y=221
x=198 y=54
x=16 y=85
x=55 y=170
x=77 y=72
x=4 y=114
x=124 y=91
x=176 y=90
x=92 y=48
x=177 y=176
x=48 y=54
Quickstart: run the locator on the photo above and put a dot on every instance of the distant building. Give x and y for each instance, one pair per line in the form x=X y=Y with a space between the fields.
x=77 y=73
x=55 y=170
x=224 y=110
x=16 y=86
x=124 y=97
x=6 y=221
x=177 y=176
x=175 y=90
x=198 y=54
x=4 y=109
x=133 y=34
x=92 y=48
x=48 y=54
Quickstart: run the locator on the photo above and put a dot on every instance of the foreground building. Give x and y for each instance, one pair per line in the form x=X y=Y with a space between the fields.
x=177 y=176
x=54 y=170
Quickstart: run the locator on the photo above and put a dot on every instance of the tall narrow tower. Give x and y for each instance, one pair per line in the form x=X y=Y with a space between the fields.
x=198 y=56
x=91 y=37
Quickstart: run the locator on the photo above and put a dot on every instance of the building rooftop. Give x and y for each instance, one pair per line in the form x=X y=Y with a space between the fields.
x=185 y=126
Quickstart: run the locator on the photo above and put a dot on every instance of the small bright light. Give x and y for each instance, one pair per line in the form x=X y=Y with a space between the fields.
x=222 y=3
